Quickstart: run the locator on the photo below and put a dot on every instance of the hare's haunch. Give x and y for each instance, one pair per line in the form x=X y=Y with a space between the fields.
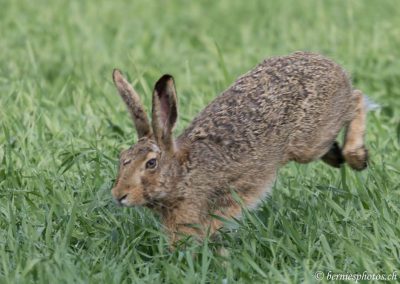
x=288 y=108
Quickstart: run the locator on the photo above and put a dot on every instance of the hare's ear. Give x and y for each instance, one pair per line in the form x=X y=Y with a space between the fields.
x=165 y=111
x=133 y=103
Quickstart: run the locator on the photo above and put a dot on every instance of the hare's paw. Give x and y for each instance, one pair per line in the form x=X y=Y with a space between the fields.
x=357 y=158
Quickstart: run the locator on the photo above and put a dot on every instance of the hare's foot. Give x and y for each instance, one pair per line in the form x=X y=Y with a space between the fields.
x=357 y=158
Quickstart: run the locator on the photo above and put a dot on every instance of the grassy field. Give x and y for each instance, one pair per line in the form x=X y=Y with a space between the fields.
x=62 y=126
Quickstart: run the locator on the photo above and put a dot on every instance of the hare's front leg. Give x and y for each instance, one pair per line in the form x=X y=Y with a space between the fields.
x=180 y=232
x=182 y=223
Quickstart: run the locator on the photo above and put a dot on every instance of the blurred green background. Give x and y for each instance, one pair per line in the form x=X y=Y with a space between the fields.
x=62 y=126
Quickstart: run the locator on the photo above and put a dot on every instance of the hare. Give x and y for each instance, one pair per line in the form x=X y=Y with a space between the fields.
x=288 y=108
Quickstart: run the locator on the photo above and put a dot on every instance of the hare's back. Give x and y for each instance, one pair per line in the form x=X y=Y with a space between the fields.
x=316 y=94
x=282 y=101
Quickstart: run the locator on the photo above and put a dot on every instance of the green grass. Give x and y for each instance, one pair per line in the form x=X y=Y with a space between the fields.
x=62 y=126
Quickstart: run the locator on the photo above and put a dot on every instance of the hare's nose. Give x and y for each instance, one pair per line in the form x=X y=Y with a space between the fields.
x=120 y=197
x=121 y=200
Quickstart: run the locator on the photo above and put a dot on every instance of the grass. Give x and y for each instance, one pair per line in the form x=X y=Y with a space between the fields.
x=62 y=126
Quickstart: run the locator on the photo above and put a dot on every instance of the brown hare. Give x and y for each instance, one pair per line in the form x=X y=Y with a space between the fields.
x=288 y=108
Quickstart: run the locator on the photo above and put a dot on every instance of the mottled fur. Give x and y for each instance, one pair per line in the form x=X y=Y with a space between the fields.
x=287 y=108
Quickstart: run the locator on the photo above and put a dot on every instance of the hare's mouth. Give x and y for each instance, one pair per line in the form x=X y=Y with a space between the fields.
x=123 y=200
x=131 y=199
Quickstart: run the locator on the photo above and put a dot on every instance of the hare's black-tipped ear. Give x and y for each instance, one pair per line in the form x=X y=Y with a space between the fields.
x=133 y=103
x=165 y=111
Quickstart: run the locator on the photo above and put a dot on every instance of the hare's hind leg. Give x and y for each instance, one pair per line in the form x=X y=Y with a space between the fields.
x=354 y=151
x=334 y=156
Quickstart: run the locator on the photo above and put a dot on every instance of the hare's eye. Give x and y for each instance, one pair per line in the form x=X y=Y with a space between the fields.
x=151 y=164
x=125 y=162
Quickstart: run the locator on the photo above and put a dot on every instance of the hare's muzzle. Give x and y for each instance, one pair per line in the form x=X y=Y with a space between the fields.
x=119 y=196
x=128 y=196
x=121 y=200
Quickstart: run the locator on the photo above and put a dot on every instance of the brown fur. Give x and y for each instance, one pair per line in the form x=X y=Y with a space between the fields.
x=287 y=108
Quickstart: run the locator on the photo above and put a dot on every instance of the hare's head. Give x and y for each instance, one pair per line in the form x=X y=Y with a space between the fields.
x=142 y=167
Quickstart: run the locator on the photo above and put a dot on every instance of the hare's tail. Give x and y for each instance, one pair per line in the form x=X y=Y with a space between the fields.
x=370 y=105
